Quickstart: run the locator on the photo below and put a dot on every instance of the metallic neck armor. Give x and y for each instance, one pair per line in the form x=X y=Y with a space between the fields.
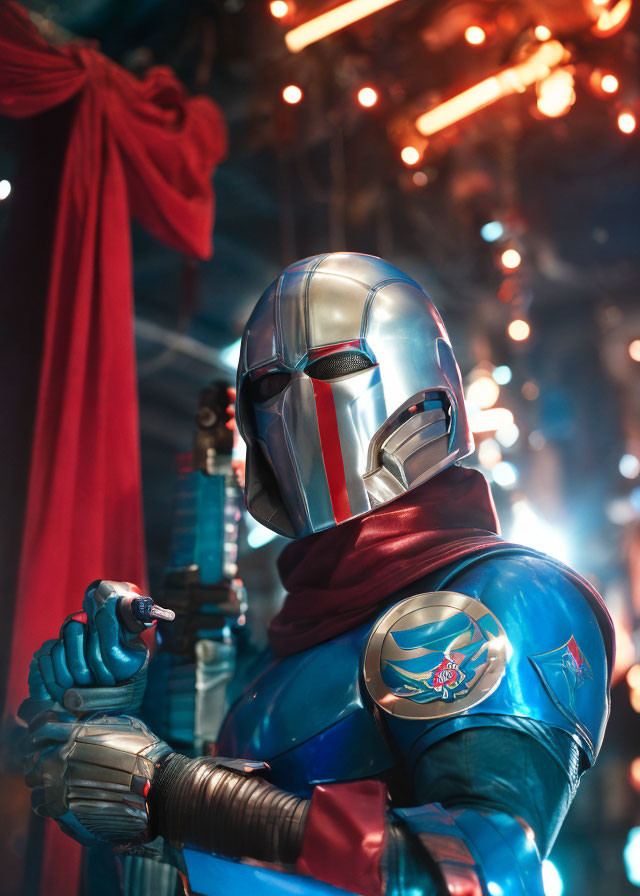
x=348 y=393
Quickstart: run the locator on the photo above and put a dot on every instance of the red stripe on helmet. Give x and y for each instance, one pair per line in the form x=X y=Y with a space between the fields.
x=331 y=450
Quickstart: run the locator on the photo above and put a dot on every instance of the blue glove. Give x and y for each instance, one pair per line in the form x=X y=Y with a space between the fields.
x=94 y=665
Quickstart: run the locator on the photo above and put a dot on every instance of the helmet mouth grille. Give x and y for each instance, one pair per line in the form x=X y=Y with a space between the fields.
x=429 y=411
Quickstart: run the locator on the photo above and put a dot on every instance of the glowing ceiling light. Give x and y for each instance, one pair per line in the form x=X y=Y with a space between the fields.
x=331 y=21
x=490 y=420
x=542 y=32
x=609 y=83
x=502 y=374
x=634 y=346
x=511 y=259
x=367 y=96
x=410 y=155
x=475 y=35
x=519 y=330
x=611 y=20
x=629 y=466
x=292 y=94
x=5 y=189
x=556 y=94
x=551 y=880
x=510 y=80
x=278 y=9
x=483 y=392
x=491 y=231
x=627 y=122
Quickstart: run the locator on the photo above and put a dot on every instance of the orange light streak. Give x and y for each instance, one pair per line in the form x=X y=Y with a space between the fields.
x=331 y=21
x=514 y=79
x=612 y=20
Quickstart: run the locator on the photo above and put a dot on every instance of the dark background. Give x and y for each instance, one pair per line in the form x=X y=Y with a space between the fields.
x=326 y=175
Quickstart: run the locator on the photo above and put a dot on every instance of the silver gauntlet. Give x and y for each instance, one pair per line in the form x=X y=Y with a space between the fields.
x=94 y=776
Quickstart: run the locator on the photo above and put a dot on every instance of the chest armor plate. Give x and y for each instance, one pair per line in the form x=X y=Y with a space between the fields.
x=305 y=716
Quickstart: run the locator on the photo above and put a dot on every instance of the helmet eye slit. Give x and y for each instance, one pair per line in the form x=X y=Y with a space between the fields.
x=330 y=367
x=268 y=386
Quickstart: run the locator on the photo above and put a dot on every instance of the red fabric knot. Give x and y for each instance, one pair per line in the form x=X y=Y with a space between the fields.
x=344 y=836
x=137 y=147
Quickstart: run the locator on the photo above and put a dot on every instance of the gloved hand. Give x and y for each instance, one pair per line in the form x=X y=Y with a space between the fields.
x=94 y=665
x=93 y=776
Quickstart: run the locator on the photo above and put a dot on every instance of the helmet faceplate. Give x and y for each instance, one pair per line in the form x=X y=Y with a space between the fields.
x=368 y=402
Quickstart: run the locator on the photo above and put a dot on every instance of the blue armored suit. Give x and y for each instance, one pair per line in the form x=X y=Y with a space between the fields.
x=311 y=717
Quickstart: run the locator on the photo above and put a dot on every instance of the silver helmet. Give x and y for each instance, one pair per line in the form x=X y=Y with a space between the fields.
x=348 y=393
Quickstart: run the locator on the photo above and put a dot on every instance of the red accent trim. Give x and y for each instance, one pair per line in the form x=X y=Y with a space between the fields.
x=146 y=788
x=574 y=650
x=80 y=617
x=315 y=353
x=344 y=837
x=331 y=450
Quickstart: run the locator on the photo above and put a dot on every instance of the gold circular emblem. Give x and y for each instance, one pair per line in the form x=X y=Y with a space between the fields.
x=435 y=655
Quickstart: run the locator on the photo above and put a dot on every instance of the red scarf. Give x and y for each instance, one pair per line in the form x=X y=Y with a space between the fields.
x=339 y=578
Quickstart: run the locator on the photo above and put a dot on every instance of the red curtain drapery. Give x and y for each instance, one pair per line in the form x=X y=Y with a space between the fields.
x=136 y=147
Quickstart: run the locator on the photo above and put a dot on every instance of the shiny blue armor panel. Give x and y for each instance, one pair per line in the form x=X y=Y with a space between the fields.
x=310 y=717
x=318 y=694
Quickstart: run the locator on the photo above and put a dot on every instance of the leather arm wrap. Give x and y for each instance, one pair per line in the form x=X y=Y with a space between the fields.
x=205 y=804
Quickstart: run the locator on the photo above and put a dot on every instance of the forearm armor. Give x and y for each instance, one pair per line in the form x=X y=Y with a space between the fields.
x=225 y=806
x=473 y=826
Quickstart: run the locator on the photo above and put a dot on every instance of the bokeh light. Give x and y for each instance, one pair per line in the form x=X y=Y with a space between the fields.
x=505 y=474
x=631 y=856
x=410 y=155
x=508 y=435
x=502 y=374
x=627 y=122
x=530 y=390
x=542 y=32
x=609 y=83
x=367 y=97
x=5 y=189
x=511 y=259
x=278 y=9
x=556 y=94
x=292 y=94
x=489 y=453
x=483 y=392
x=491 y=231
x=629 y=466
x=519 y=330
x=475 y=35
x=634 y=346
